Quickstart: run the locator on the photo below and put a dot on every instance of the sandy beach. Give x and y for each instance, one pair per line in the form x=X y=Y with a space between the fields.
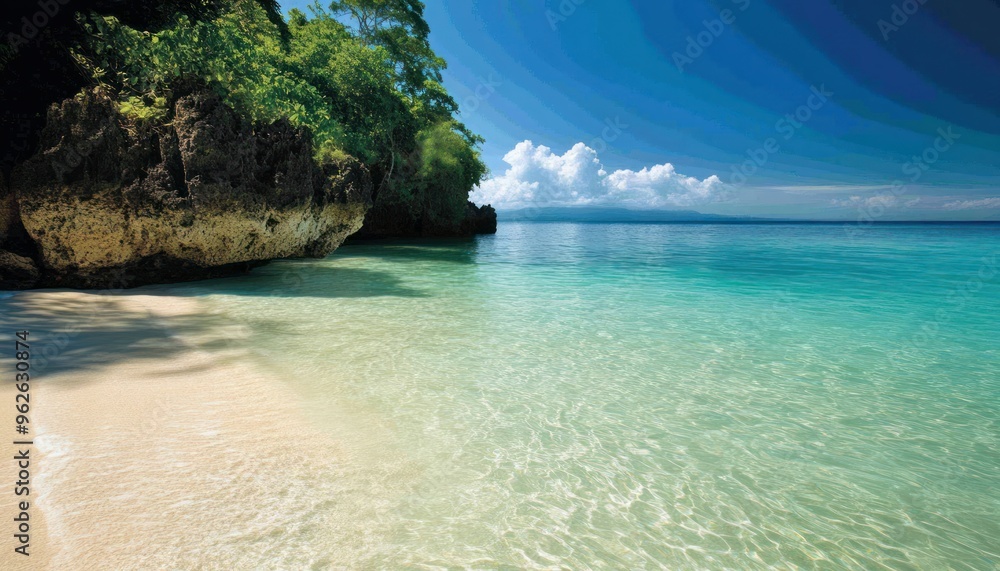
x=152 y=452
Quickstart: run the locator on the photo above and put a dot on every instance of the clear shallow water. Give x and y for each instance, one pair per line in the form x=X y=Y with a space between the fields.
x=646 y=396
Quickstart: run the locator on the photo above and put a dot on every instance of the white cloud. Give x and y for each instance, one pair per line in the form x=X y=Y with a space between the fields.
x=828 y=188
x=971 y=204
x=539 y=177
x=883 y=200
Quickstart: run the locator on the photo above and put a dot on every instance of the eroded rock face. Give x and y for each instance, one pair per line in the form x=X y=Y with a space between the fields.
x=110 y=202
x=6 y=209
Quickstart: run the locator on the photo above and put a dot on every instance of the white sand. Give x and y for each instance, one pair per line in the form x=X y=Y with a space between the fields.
x=154 y=453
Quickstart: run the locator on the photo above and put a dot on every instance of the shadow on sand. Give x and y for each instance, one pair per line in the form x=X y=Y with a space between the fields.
x=87 y=331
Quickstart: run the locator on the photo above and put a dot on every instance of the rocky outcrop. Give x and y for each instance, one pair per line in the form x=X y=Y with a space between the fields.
x=397 y=221
x=113 y=202
x=479 y=220
x=19 y=272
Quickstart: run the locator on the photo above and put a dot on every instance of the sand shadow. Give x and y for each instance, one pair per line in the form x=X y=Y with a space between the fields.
x=88 y=331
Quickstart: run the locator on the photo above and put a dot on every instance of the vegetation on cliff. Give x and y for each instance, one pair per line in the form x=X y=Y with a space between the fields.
x=359 y=75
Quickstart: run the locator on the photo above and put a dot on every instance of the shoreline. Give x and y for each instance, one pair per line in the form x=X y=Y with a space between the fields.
x=152 y=451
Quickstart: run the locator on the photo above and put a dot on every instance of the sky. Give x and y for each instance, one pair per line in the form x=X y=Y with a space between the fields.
x=827 y=109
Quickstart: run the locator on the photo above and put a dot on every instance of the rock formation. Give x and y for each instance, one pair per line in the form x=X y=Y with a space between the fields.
x=112 y=201
x=396 y=221
x=479 y=220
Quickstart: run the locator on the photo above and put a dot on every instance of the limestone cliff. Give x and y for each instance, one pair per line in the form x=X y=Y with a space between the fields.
x=110 y=201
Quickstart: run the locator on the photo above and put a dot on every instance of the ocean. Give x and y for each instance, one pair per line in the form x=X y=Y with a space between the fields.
x=641 y=396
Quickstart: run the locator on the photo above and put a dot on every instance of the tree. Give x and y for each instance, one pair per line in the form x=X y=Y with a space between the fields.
x=358 y=81
x=435 y=182
x=449 y=168
x=399 y=27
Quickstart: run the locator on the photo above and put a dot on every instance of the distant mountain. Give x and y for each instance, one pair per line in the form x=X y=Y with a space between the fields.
x=598 y=214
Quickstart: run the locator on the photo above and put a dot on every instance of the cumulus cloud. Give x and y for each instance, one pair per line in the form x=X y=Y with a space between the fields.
x=539 y=177
x=971 y=204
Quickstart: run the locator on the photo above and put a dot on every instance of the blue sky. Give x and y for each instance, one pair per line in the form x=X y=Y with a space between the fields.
x=834 y=109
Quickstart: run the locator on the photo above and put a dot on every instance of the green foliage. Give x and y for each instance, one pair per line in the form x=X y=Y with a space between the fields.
x=331 y=154
x=239 y=55
x=449 y=167
x=358 y=82
x=361 y=77
x=143 y=110
x=399 y=27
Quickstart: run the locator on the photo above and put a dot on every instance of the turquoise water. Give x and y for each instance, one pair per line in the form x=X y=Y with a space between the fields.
x=564 y=396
